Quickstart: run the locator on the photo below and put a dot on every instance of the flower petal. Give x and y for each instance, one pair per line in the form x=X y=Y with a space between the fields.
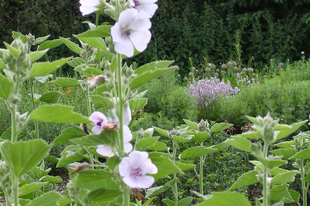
x=85 y=10
x=144 y=181
x=116 y=32
x=125 y=167
x=137 y=158
x=126 y=16
x=105 y=150
x=140 y=39
x=128 y=148
x=89 y=2
x=141 y=23
x=127 y=115
x=98 y=116
x=124 y=46
x=149 y=9
x=96 y=130
x=148 y=167
x=126 y=134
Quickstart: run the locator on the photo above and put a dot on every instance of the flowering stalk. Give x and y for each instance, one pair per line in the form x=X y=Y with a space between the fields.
x=36 y=124
x=265 y=178
x=175 y=187
x=202 y=158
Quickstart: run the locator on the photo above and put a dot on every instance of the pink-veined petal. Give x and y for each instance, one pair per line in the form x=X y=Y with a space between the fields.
x=126 y=134
x=137 y=158
x=124 y=46
x=125 y=167
x=140 y=39
x=148 y=167
x=127 y=147
x=126 y=17
x=144 y=181
x=104 y=150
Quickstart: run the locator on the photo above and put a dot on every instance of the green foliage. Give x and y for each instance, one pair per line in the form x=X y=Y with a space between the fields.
x=167 y=104
x=285 y=96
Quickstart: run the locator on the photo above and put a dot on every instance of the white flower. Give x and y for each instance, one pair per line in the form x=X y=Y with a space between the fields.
x=89 y=6
x=131 y=31
x=147 y=6
x=110 y=151
x=134 y=168
x=99 y=120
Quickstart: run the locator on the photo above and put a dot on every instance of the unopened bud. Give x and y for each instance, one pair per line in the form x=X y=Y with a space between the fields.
x=82 y=166
x=148 y=132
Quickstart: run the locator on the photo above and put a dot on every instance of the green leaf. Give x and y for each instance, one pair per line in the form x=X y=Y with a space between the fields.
x=15 y=35
x=103 y=195
x=137 y=104
x=304 y=154
x=89 y=72
x=23 y=156
x=96 y=42
x=160 y=189
x=40 y=40
x=51 y=179
x=43 y=68
x=252 y=135
x=6 y=87
x=284 y=177
x=47 y=199
x=145 y=77
x=76 y=62
x=291 y=128
x=42 y=79
x=168 y=202
x=51 y=97
x=100 y=31
x=106 y=137
x=194 y=152
x=285 y=152
x=220 y=127
x=58 y=114
x=164 y=164
x=72 y=153
x=162 y=132
x=200 y=136
x=246 y=179
x=99 y=99
x=185 y=166
x=286 y=144
x=30 y=188
x=270 y=162
x=50 y=44
x=227 y=199
x=113 y=162
x=152 y=66
x=68 y=134
x=295 y=195
x=278 y=192
x=158 y=146
x=66 y=82
x=146 y=142
x=34 y=56
x=92 y=175
x=192 y=125
x=72 y=46
x=12 y=50
x=240 y=143
x=2 y=64
x=182 y=139
x=185 y=201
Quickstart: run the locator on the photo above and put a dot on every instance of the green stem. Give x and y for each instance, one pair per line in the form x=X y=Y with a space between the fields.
x=13 y=123
x=303 y=182
x=6 y=195
x=201 y=172
x=36 y=124
x=120 y=103
x=265 y=178
x=15 y=188
x=175 y=187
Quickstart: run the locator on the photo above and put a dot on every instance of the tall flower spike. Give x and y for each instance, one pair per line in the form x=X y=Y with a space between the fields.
x=89 y=6
x=147 y=6
x=131 y=31
x=134 y=168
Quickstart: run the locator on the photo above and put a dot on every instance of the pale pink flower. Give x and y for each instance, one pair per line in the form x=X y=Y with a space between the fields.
x=147 y=6
x=132 y=31
x=99 y=120
x=134 y=168
x=89 y=6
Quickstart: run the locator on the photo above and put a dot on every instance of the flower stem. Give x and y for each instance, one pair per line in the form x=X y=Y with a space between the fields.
x=13 y=123
x=15 y=189
x=175 y=187
x=201 y=172
x=36 y=124
x=265 y=178
x=303 y=183
x=120 y=102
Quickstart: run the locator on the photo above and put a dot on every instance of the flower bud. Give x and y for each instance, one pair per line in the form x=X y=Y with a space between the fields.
x=174 y=132
x=202 y=126
x=148 y=132
x=32 y=39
